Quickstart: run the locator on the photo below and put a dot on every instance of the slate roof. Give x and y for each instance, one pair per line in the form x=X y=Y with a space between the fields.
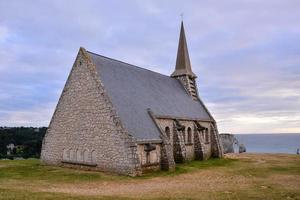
x=133 y=89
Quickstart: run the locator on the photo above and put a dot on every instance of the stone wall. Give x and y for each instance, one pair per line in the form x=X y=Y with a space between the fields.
x=198 y=145
x=190 y=85
x=190 y=147
x=179 y=150
x=149 y=160
x=85 y=128
x=190 y=151
x=166 y=155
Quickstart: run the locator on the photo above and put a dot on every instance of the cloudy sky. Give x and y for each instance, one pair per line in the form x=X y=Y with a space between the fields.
x=246 y=54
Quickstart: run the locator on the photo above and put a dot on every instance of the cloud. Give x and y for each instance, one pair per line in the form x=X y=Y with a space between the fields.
x=3 y=34
x=245 y=54
x=34 y=116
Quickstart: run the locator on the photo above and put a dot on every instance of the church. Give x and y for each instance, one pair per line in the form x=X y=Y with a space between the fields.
x=116 y=117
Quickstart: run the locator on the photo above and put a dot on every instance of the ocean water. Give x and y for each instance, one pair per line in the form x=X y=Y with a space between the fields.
x=270 y=143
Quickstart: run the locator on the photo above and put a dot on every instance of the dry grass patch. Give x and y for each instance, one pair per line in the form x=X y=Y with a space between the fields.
x=238 y=176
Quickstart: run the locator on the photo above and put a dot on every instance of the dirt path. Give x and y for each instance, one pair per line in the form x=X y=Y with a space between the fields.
x=211 y=181
x=200 y=181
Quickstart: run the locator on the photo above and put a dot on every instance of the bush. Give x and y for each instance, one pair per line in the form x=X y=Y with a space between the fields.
x=28 y=141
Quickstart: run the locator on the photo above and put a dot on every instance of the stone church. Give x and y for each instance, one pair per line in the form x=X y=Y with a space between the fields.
x=116 y=117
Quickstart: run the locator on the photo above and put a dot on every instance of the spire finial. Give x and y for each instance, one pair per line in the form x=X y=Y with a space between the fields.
x=181 y=15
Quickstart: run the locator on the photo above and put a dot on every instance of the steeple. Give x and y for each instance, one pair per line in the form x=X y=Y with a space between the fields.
x=183 y=64
x=183 y=70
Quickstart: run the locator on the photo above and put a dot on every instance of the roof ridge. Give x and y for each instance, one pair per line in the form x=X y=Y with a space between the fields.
x=113 y=59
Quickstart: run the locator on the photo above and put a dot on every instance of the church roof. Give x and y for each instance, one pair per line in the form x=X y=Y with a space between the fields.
x=133 y=90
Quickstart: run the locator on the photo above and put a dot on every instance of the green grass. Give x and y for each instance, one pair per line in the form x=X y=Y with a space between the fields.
x=245 y=178
x=252 y=168
x=31 y=169
x=192 y=166
x=11 y=194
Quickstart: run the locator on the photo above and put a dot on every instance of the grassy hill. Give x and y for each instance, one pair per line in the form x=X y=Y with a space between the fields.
x=244 y=176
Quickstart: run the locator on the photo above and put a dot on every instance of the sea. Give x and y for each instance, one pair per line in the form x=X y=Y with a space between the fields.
x=269 y=143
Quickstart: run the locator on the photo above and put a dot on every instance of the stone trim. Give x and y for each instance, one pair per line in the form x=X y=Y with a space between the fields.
x=167 y=158
x=79 y=163
x=81 y=49
x=217 y=147
x=187 y=83
x=154 y=141
x=180 y=118
x=178 y=145
x=198 y=145
x=132 y=154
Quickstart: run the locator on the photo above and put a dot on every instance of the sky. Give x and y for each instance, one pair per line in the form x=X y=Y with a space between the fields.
x=246 y=54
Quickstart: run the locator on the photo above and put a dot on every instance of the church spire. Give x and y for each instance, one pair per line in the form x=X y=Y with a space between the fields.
x=183 y=64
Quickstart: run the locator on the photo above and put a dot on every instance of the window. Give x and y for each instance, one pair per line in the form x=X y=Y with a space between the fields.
x=203 y=135
x=79 y=156
x=66 y=155
x=167 y=131
x=86 y=156
x=189 y=134
x=94 y=157
x=206 y=136
x=72 y=155
x=148 y=158
x=183 y=134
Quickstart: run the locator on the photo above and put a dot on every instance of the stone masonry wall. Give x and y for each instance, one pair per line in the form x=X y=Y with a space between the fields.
x=85 y=128
x=190 y=147
x=179 y=149
x=198 y=145
x=154 y=155
x=189 y=85
x=166 y=154
x=153 y=160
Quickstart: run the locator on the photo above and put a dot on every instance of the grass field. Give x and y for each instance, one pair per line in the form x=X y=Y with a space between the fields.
x=243 y=176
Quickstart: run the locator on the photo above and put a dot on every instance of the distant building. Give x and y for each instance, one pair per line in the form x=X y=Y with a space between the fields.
x=117 y=117
x=10 y=149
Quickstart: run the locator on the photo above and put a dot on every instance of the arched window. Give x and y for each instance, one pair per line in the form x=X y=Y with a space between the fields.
x=189 y=134
x=183 y=134
x=86 y=156
x=72 y=155
x=206 y=136
x=147 y=157
x=78 y=156
x=66 y=155
x=203 y=135
x=94 y=157
x=167 y=131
